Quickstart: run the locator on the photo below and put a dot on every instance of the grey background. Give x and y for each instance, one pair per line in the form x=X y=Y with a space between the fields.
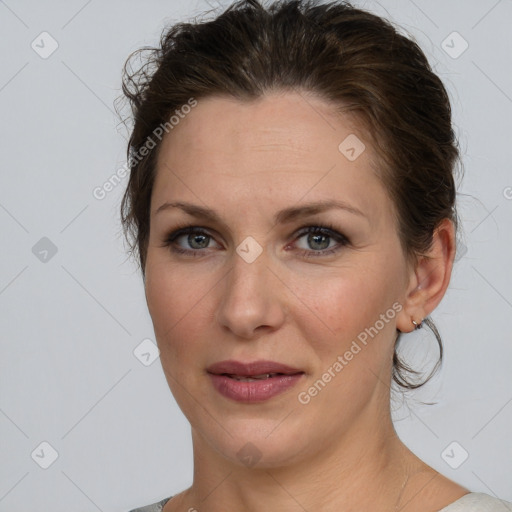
x=70 y=321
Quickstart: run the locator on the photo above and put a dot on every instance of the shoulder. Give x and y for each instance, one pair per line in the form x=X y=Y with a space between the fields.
x=478 y=502
x=155 y=507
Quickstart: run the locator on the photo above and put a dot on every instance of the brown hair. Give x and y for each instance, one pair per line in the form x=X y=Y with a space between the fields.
x=355 y=60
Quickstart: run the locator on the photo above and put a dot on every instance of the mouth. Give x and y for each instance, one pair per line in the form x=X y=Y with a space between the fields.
x=259 y=369
x=263 y=376
x=255 y=381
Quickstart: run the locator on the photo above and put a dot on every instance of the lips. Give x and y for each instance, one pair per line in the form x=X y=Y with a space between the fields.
x=253 y=382
x=254 y=369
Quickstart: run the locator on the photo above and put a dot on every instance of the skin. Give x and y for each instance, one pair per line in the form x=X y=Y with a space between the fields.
x=247 y=161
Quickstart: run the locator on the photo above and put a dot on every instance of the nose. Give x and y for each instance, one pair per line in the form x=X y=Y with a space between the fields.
x=252 y=300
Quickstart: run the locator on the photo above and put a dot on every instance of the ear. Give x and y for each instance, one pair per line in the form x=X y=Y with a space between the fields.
x=429 y=279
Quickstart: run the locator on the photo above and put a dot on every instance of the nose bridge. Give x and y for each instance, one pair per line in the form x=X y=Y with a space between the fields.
x=249 y=265
x=249 y=296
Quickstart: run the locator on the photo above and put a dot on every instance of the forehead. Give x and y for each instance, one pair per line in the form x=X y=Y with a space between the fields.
x=281 y=146
x=295 y=123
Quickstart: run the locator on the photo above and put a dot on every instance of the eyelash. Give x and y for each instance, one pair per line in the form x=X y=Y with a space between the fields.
x=324 y=229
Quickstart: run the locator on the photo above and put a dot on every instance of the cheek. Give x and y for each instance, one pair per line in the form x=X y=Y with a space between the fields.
x=176 y=305
x=351 y=343
x=174 y=301
x=347 y=306
x=349 y=300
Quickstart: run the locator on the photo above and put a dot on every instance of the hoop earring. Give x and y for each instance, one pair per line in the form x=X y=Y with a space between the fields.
x=416 y=325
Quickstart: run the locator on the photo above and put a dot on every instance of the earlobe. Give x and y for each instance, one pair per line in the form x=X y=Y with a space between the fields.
x=430 y=279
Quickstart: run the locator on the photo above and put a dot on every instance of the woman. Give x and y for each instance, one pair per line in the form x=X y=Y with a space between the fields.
x=292 y=205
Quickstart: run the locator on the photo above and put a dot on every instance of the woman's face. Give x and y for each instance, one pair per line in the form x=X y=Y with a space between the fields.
x=253 y=288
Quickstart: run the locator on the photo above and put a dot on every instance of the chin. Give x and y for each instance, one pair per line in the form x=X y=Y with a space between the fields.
x=254 y=448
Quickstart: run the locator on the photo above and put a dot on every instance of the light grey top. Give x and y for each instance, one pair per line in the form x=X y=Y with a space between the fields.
x=155 y=507
x=478 y=502
x=472 y=502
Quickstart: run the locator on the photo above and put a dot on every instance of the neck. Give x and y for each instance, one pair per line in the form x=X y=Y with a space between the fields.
x=366 y=468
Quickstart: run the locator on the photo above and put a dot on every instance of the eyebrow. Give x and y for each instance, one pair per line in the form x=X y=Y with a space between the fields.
x=283 y=216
